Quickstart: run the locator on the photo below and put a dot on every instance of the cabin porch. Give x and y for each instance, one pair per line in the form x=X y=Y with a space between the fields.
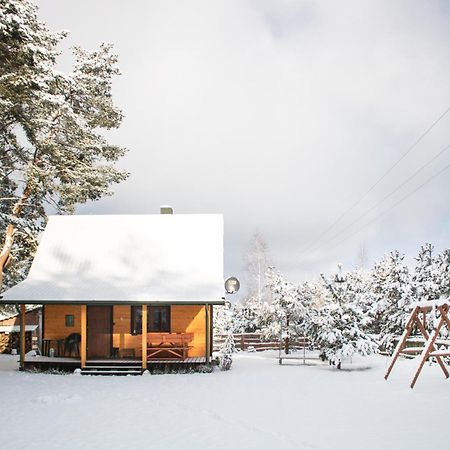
x=84 y=335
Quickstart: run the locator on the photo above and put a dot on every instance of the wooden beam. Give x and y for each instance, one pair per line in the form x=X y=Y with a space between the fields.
x=427 y=350
x=211 y=329
x=83 y=349
x=144 y=337
x=438 y=358
x=207 y=337
x=22 y=336
x=402 y=341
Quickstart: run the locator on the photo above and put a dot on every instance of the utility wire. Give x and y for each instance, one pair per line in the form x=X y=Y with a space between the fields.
x=392 y=207
x=420 y=138
x=339 y=233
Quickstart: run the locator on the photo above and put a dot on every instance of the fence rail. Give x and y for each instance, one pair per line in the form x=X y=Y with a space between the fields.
x=255 y=341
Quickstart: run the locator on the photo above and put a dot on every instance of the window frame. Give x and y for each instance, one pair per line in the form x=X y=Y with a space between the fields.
x=69 y=320
x=136 y=319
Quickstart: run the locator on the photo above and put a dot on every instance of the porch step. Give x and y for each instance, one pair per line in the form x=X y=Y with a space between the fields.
x=119 y=369
x=111 y=372
x=113 y=367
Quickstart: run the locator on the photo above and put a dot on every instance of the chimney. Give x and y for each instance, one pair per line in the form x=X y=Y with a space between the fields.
x=166 y=209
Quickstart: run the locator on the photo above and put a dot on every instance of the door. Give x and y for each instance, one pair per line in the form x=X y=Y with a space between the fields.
x=99 y=331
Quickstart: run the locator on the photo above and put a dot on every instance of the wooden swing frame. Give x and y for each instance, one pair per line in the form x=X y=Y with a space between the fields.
x=418 y=318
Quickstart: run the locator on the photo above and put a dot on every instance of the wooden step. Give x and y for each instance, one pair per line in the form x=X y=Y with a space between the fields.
x=114 y=367
x=111 y=372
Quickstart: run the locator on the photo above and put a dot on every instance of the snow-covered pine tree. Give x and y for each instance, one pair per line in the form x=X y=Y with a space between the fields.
x=359 y=285
x=425 y=280
x=441 y=269
x=226 y=352
x=52 y=150
x=245 y=316
x=337 y=327
x=225 y=327
x=391 y=286
x=287 y=311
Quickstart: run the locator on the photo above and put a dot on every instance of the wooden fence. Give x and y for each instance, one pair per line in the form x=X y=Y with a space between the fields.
x=255 y=341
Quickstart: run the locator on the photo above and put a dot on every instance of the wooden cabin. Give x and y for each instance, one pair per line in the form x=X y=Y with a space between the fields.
x=10 y=330
x=138 y=289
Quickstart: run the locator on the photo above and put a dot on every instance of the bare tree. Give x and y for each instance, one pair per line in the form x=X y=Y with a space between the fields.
x=257 y=261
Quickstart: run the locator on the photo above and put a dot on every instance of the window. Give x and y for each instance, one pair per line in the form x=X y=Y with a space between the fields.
x=70 y=320
x=136 y=320
x=158 y=319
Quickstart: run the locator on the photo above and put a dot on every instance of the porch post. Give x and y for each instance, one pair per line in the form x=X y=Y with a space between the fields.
x=83 y=335
x=22 y=336
x=207 y=337
x=144 y=337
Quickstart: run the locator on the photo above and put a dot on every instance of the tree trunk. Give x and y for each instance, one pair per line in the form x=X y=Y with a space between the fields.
x=5 y=253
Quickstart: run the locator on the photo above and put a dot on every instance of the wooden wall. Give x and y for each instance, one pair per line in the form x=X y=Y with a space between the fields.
x=183 y=319
x=190 y=319
x=9 y=341
x=55 y=321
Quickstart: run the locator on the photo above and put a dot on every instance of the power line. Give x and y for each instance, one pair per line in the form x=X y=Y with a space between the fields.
x=313 y=242
x=392 y=207
x=383 y=199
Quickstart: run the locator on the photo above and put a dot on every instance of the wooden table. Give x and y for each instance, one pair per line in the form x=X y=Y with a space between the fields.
x=174 y=344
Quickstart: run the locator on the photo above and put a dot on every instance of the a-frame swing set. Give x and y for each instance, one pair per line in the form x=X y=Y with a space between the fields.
x=418 y=320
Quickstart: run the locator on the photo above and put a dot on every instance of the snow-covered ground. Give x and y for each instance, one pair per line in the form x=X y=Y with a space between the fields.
x=256 y=405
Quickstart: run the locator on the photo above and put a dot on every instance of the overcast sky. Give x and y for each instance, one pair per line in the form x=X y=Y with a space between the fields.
x=280 y=115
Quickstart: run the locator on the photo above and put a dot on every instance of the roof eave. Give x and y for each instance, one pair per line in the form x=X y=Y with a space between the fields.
x=112 y=302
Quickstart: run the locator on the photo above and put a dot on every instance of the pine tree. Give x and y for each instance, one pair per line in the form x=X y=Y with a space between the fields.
x=393 y=294
x=288 y=313
x=441 y=269
x=337 y=327
x=52 y=150
x=425 y=282
x=225 y=326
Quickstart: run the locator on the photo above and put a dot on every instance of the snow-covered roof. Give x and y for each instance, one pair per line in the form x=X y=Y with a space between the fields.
x=9 y=315
x=167 y=258
x=16 y=328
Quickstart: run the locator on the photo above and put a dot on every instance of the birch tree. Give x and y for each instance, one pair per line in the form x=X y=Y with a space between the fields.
x=256 y=264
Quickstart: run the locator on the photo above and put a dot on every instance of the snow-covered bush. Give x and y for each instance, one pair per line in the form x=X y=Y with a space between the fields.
x=226 y=352
x=224 y=325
